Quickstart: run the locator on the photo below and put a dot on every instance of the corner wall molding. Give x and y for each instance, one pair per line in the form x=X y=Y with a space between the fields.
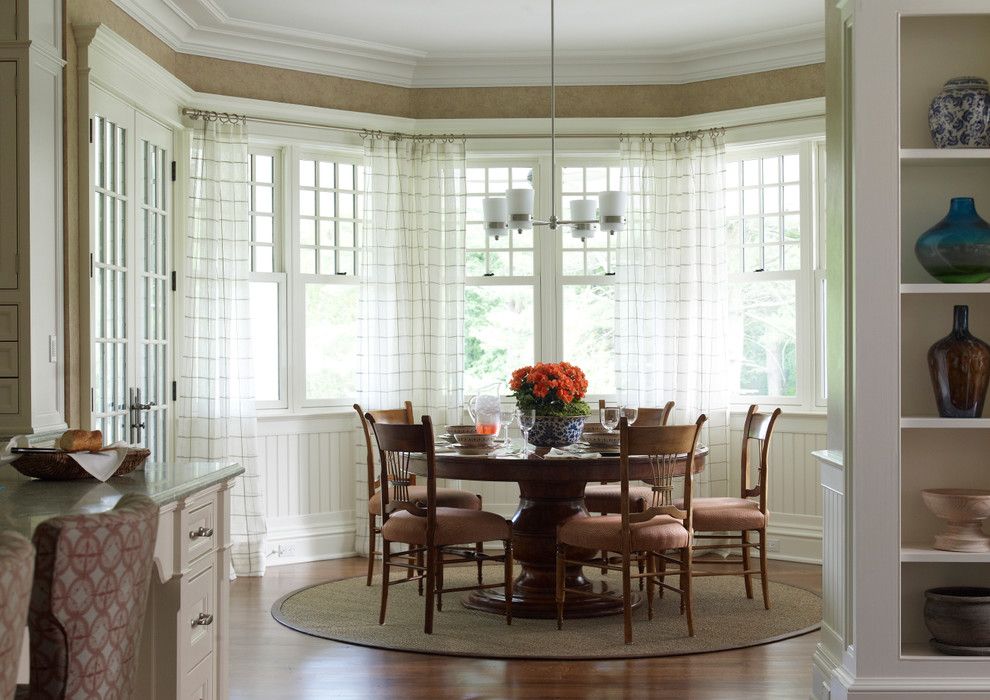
x=202 y=28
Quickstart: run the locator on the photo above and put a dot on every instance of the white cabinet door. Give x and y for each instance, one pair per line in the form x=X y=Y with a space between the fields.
x=131 y=258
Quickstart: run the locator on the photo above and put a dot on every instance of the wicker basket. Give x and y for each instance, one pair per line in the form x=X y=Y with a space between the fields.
x=59 y=466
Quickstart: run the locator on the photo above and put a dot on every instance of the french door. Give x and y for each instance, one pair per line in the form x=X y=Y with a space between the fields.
x=130 y=275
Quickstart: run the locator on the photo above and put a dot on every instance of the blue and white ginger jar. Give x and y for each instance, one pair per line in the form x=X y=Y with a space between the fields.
x=959 y=116
x=556 y=431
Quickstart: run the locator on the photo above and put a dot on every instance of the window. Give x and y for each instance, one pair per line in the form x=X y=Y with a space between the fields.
x=501 y=293
x=587 y=290
x=268 y=282
x=772 y=226
x=305 y=213
x=519 y=280
x=329 y=206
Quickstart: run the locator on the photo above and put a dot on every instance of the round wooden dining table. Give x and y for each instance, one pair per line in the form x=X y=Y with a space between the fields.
x=551 y=491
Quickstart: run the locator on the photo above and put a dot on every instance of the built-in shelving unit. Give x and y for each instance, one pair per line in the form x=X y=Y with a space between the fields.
x=935 y=452
x=944 y=156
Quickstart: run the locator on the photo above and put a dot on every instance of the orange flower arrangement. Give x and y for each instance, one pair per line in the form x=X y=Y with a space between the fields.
x=552 y=388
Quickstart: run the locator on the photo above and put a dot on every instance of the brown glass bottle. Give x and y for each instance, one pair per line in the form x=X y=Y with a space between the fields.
x=960 y=367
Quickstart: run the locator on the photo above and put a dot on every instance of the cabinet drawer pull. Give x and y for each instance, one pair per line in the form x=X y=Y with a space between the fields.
x=203 y=620
x=201 y=532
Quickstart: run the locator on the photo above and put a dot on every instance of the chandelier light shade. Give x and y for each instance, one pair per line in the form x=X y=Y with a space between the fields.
x=612 y=210
x=520 y=208
x=494 y=210
x=583 y=210
x=515 y=210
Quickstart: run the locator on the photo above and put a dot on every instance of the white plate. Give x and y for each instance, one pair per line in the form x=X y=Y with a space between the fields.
x=473 y=451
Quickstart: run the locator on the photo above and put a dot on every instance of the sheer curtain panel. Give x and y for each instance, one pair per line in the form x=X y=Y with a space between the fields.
x=411 y=315
x=215 y=411
x=672 y=285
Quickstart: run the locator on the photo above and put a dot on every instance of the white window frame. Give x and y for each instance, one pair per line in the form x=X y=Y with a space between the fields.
x=297 y=287
x=808 y=280
x=560 y=280
x=537 y=279
x=279 y=274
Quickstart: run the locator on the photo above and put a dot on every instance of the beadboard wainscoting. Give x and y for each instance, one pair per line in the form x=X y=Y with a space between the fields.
x=308 y=465
x=316 y=486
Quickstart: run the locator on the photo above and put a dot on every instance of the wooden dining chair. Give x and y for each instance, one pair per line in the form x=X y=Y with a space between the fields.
x=447 y=498
x=650 y=535
x=604 y=498
x=714 y=518
x=430 y=530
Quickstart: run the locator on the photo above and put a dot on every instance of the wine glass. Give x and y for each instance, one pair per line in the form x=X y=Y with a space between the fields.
x=527 y=419
x=506 y=417
x=610 y=417
x=631 y=414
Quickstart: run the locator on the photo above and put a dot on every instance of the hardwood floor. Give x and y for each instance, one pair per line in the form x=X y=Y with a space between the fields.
x=268 y=660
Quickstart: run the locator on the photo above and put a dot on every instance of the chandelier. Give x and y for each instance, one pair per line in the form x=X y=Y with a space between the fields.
x=514 y=211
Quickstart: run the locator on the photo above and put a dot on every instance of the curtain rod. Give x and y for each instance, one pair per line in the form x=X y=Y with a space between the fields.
x=207 y=115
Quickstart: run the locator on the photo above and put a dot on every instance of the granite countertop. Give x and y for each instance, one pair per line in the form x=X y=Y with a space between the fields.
x=25 y=502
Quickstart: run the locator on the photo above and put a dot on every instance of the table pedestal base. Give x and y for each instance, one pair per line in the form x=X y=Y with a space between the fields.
x=542 y=508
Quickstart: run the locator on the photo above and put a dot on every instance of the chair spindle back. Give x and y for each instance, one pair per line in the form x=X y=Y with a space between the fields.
x=403 y=416
x=397 y=444
x=665 y=446
x=758 y=428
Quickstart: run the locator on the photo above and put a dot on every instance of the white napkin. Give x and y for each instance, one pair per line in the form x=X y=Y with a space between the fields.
x=554 y=453
x=6 y=456
x=103 y=464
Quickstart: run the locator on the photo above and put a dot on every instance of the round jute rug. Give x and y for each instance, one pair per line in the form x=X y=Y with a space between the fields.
x=347 y=611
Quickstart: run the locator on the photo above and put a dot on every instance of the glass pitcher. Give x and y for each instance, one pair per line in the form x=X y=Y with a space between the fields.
x=485 y=408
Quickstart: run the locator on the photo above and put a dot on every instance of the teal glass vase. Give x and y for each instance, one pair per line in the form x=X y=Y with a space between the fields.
x=957 y=248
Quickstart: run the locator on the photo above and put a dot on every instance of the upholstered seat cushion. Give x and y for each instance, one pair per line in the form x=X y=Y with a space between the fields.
x=454 y=526
x=446 y=498
x=605 y=532
x=717 y=514
x=606 y=498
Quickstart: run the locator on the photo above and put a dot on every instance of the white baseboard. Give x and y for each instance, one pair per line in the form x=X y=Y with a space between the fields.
x=793 y=537
x=306 y=538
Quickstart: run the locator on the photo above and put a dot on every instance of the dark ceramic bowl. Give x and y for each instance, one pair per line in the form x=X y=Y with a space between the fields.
x=958 y=616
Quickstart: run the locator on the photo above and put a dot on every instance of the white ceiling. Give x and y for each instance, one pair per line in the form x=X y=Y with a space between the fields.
x=430 y=43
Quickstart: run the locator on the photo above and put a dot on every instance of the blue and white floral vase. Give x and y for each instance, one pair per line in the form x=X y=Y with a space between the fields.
x=959 y=116
x=556 y=431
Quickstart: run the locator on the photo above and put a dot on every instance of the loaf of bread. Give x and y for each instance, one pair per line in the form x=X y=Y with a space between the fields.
x=81 y=441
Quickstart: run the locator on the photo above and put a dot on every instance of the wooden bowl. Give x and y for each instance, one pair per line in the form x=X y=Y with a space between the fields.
x=964 y=510
x=59 y=466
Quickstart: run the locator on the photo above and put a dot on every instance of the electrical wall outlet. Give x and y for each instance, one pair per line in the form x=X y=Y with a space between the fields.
x=53 y=348
x=286 y=550
x=773 y=545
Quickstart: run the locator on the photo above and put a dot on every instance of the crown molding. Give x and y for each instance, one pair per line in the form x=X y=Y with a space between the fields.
x=202 y=28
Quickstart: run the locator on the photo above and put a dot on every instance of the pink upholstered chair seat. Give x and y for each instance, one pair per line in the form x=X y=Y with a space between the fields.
x=605 y=533
x=16 y=567
x=717 y=514
x=446 y=498
x=454 y=526
x=92 y=574
x=607 y=498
